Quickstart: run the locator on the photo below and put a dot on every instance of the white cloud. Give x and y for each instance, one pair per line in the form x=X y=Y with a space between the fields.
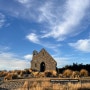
x=33 y=38
x=46 y=14
x=61 y=23
x=10 y=61
x=4 y=48
x=28 y=57
x=82 y=45
x=2 y=20
x=60 y=18
x=27 y=5
x=23 y=1
x=74 y=11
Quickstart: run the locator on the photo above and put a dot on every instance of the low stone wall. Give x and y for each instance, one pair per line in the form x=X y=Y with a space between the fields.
x=10 y=85
x=18 y=83
x=44 y=84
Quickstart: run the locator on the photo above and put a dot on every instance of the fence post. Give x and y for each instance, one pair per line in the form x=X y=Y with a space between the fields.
x=67 y=86
x=81 y=83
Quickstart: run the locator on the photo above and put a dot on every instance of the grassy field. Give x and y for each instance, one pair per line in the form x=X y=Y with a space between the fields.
x=45 y=84
x=33 y=80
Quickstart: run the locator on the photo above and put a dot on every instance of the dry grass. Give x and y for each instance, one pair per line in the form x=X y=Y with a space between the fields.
x=84 y=72
x=67 y=73
x=46 y=85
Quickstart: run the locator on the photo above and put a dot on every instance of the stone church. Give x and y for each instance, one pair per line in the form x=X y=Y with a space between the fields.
x=42 y=61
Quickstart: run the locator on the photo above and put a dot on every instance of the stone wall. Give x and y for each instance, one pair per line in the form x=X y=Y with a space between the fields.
x=45 y=57
x=12 y=84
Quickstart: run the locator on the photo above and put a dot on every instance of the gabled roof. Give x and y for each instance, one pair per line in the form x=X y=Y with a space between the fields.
x=43 y=50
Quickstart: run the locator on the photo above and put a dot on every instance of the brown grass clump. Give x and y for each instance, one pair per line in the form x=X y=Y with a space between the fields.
x=27 y=71
x=42 y=74
x=35 y=74
x=21 y=74
x=54 y=73
x=75 y=74
x=3 y=73
x=30 y=70
x=60 y=75
x=67 y=73
x=84 y=72
x=8 y=77
x=14 y=76
x=50 y=73
x=18 y=72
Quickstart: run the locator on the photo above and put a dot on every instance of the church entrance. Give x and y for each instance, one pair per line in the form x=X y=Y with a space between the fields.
x=42 y=67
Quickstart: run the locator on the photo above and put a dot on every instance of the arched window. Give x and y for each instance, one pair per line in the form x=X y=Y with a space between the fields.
x=35 y=65
x=43 y=53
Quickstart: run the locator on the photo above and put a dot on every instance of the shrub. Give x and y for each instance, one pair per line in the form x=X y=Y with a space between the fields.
x=83 y=72
x=48 y=73
x=67 y=73
x=54 y=73
x=14 y=76
x=27 y=71
x=18 y=72
x=8 y=77
x=41 y=74
x=35 y=74
x=3 y=74
x=75 y=74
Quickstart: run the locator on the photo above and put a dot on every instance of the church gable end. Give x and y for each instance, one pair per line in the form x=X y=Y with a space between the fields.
x=42 y=61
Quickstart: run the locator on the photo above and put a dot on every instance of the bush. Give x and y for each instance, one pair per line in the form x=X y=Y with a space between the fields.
x=48 y=73
x=75 y=74
x=67 y=73
x=18 y=72
x=14 y=76
x=27 y=71
x=84 y=72
x=8 y=77
x=3 y=74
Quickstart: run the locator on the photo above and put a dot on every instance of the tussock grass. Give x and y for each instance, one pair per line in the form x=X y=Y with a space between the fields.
x=46 y=85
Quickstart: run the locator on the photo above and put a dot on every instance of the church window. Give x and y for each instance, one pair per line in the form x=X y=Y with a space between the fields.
x=35 y=65
x=43 y=53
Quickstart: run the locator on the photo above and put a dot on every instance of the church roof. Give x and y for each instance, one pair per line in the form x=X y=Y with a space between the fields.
x=44 y=50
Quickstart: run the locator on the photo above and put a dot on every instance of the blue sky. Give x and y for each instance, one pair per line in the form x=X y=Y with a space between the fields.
x=62 y=27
